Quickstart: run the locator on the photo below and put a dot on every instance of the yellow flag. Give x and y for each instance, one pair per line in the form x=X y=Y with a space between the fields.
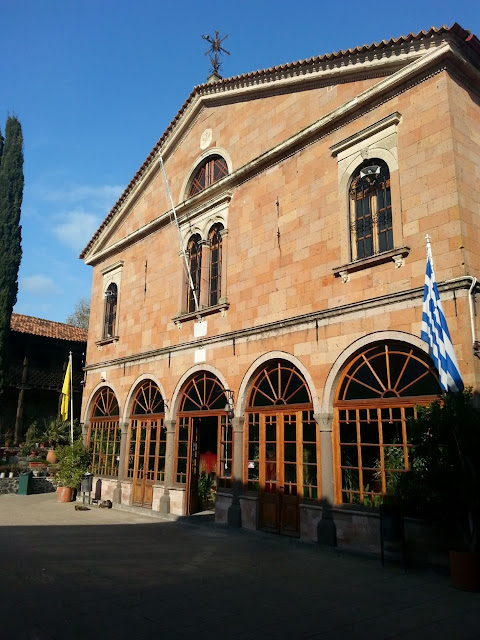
x=66 y=393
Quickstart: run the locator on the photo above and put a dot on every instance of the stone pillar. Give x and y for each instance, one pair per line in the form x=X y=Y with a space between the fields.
x=185 y=285
x=204 y=275
x=117 y=492
x=223 y=267
x=326 y=527
x=85 y=426
x=164 y=506
x=324 y=421
x=234 y=511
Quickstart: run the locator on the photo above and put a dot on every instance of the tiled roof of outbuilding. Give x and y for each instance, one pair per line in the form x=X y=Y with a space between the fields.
x=47 y=328
x=226 y=83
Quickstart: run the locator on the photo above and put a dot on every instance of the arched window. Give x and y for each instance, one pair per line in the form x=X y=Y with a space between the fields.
x=104 y=433
x=194 y=249
x=110 y=311
x=215 y=239
x=370 y=210
x=379 y=391
x=212 y=169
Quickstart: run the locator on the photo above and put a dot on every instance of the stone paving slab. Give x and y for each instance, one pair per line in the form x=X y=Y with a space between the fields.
x=67 y=574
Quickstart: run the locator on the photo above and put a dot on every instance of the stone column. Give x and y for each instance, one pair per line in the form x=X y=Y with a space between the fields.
x=326 y=527
x=324 y=421
x=185 y=285
x=204 y=275
x=234 y=511
x=85 y=426
x=117 y=493
x=164 y=506
x=223 y=267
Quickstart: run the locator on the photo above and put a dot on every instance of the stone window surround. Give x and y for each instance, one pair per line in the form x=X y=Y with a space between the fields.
x=378 y=140
x=111 y=274
x=214 y=151
x=204 y=221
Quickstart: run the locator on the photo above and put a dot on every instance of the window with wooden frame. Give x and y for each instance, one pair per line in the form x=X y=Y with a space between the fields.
x=215 y=239
x=194 y=250
x=379 y=391
x=211 y=170
x=370 y=210
x=147 y=437
x=104 y=435
x=110 y=317
x=282 y=447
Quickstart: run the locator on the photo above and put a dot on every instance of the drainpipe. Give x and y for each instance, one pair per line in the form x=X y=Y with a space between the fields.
x=475 y=344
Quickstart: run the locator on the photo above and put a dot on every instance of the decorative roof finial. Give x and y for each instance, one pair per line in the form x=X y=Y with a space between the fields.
x=215 y=50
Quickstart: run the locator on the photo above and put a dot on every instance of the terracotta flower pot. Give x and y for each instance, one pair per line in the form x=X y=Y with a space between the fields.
x=51 y=456
x=465 y=570
x=64 y=494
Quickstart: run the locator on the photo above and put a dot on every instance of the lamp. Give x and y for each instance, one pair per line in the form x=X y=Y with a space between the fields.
x=370 y=172
x=229 y=406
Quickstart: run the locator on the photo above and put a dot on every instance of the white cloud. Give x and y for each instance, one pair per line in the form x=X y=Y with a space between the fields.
x=76 y=211
x=39 y=285
x=100 y=196
x=75 y=228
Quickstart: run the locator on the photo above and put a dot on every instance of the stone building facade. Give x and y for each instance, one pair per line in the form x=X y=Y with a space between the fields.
x=303 y=195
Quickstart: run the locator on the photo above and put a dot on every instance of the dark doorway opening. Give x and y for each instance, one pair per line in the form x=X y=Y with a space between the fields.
x=203 y=484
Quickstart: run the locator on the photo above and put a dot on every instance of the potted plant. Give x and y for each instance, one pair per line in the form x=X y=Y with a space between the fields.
x=206 y=490
x=444 y=478
x=73 y=462
x=37 y=463
x=55 y=433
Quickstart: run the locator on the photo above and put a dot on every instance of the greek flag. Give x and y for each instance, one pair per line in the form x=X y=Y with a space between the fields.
x=435 y=332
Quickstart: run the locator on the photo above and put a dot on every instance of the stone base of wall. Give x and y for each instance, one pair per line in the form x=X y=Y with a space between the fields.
x=357 y=530
x=310 y=516
x=177 y=497
x=126 y=493
x=249 y=509
x=222 y=504
x=40 y=485
x=158 y=492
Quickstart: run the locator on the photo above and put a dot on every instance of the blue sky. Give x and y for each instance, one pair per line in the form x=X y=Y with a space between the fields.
x=96 y=82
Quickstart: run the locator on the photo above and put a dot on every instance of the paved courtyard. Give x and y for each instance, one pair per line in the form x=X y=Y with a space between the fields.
x=67 y=574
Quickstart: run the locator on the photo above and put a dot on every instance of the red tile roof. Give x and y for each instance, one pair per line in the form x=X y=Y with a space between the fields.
x=233 y=82
x=47 y=328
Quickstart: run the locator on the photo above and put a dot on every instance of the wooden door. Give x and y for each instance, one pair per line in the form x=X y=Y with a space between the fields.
x=279 y=500
x=146 y=433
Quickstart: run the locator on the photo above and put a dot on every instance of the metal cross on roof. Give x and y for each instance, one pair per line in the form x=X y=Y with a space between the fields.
x=215 y=50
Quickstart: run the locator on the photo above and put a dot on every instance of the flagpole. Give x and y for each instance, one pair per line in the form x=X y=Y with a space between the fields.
x=71 y=397
x=187 y=266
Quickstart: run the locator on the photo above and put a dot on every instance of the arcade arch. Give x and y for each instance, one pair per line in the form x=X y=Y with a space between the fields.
x=146 y=443
x=203 y=441
x=378 y=390
x=281 y=445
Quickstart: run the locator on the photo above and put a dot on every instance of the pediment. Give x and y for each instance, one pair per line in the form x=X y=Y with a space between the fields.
x=145 y=204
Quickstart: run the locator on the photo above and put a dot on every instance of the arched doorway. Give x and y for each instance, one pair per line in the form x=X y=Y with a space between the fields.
x=378 y=391
x=204 y=443
x=282 y=448
x=147 y=437
x=104 y=435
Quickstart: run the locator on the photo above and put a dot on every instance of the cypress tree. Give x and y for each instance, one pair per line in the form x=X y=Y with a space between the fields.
x=11 y=195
